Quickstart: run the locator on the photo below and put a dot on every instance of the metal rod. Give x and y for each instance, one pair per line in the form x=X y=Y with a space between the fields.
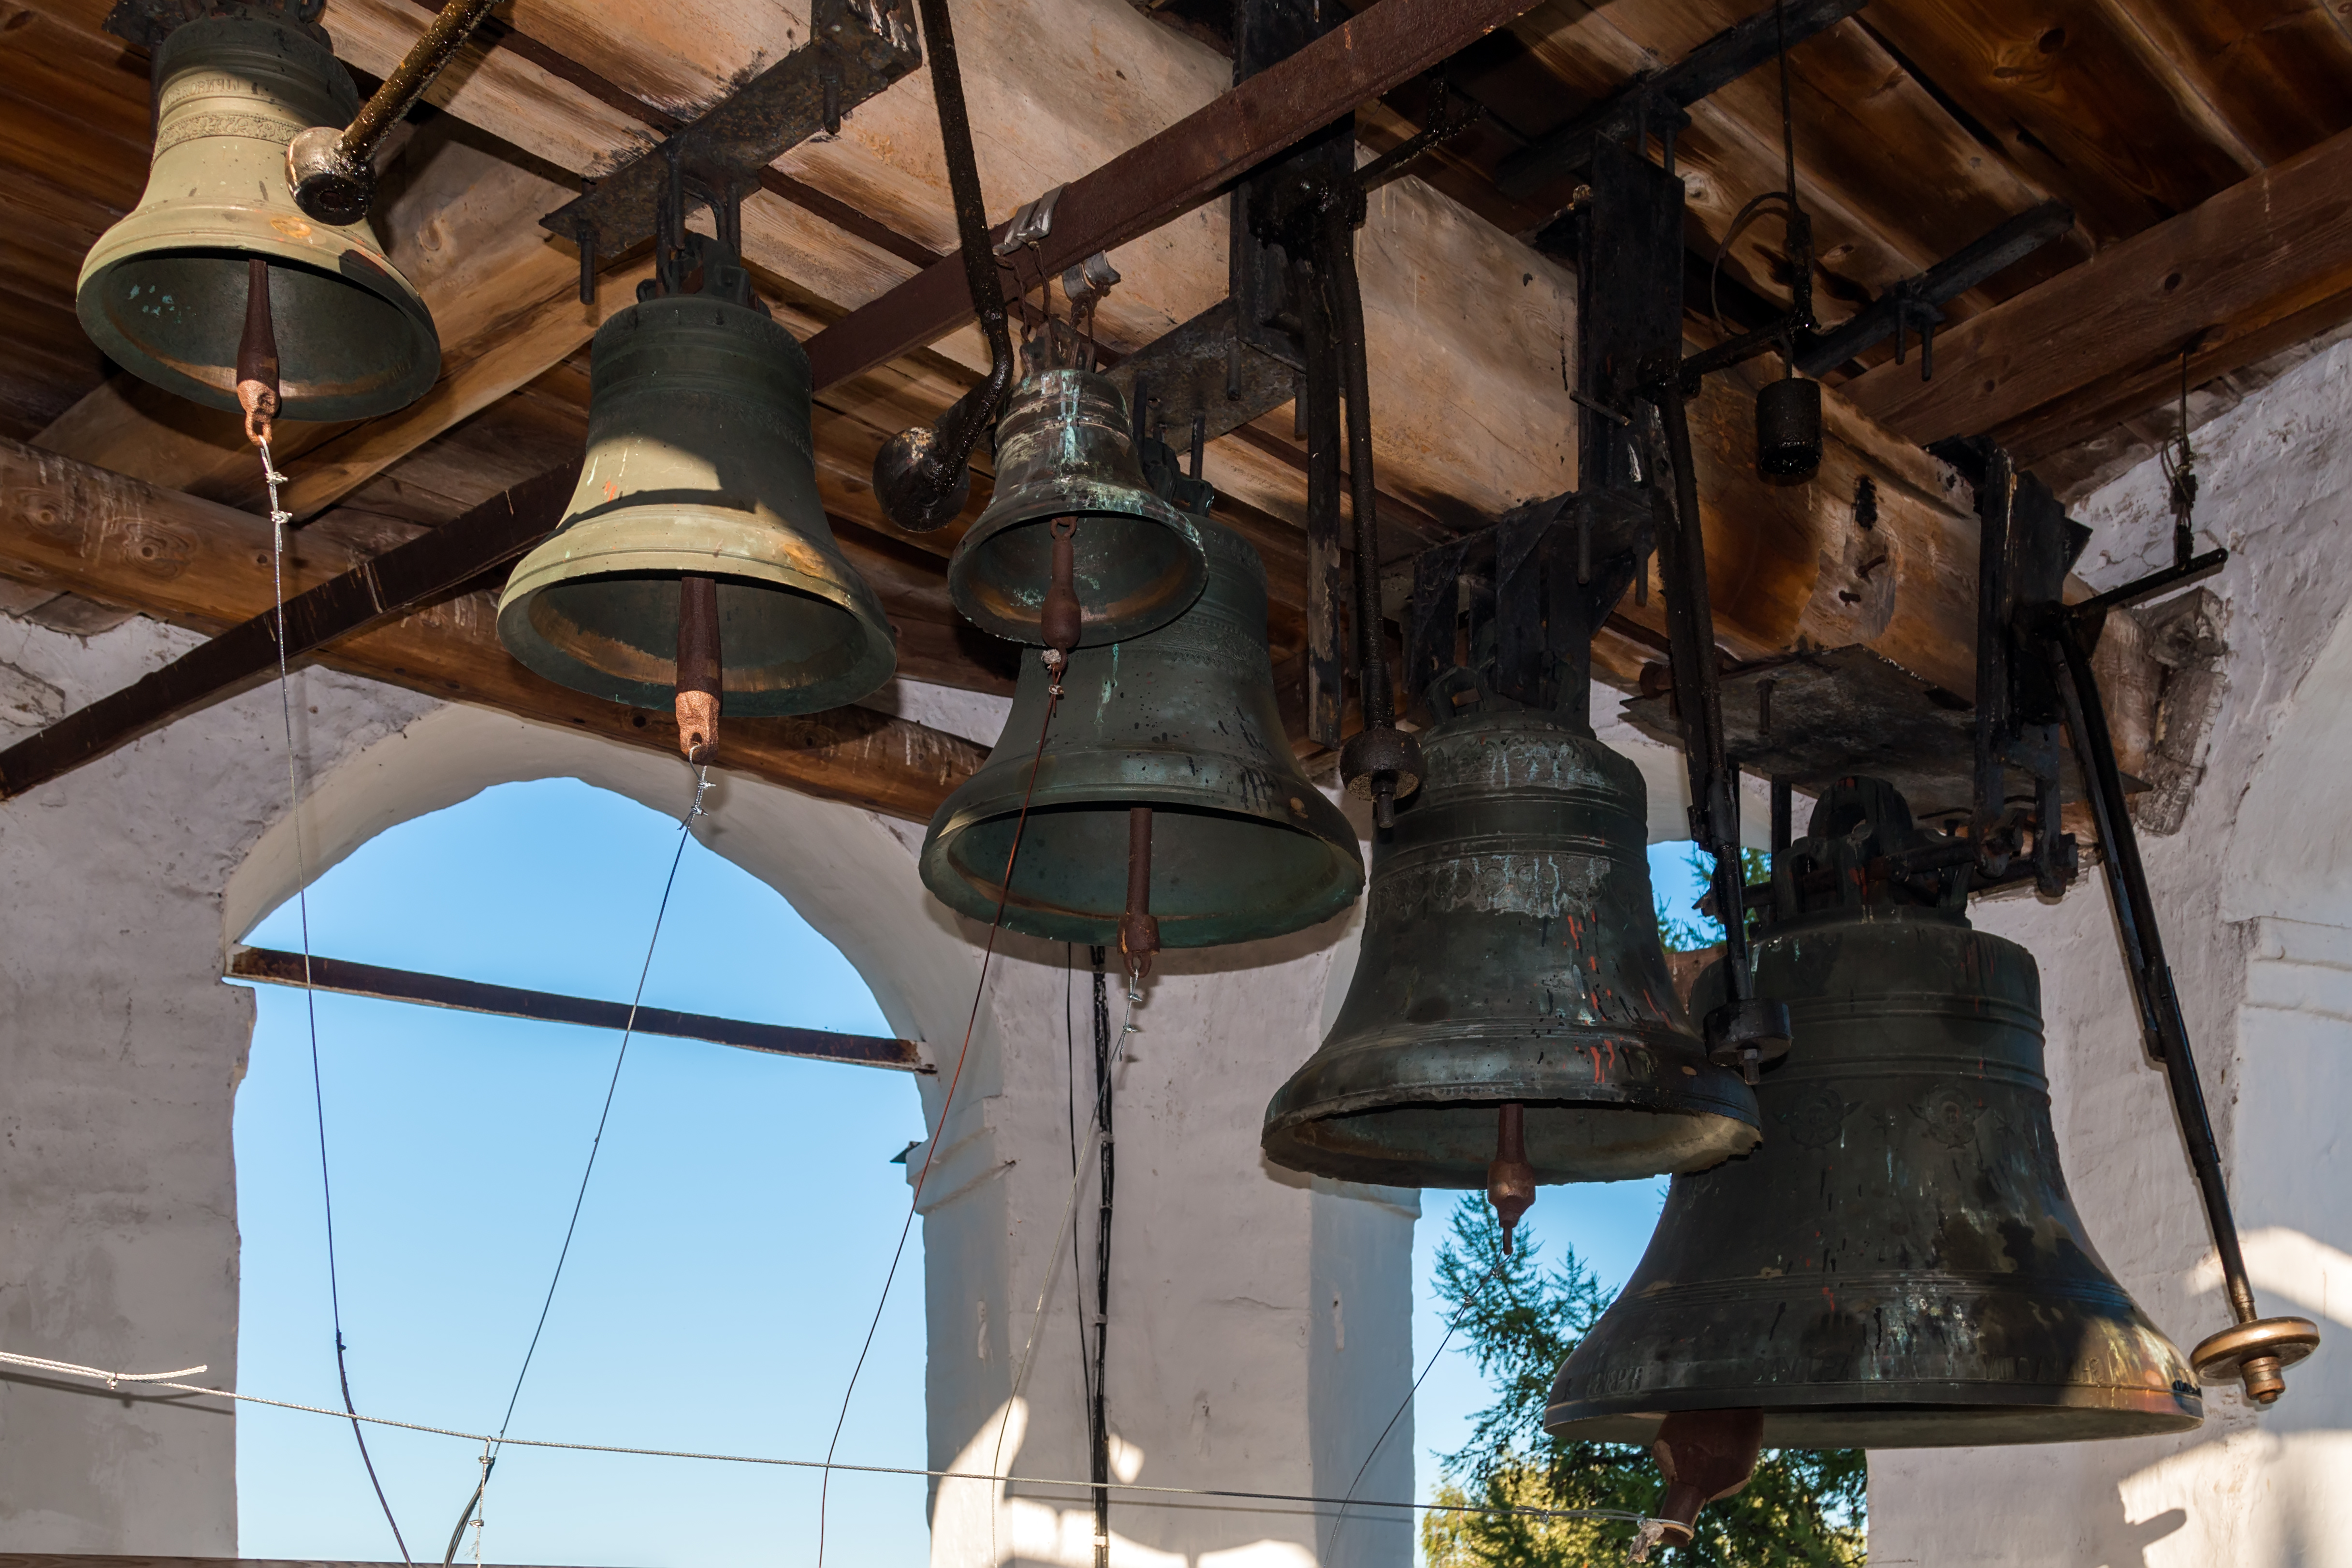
x=1372 y=668
x=1138 y=928
x=2166 y=1029
x=406 y=81
x=273 y=967
x=923 y=474
x=1991 y=784
x=699 y=685
x=1318 y=406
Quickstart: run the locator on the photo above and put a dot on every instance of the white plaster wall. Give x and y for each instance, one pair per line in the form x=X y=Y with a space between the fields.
x=121 y=1052
x=2258 y=923
x=1260 y=1324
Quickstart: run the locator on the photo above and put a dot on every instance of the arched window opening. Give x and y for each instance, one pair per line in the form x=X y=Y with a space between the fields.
x=741 y=1215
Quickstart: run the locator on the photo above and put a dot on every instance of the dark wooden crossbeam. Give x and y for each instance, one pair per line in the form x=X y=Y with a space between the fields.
x=375 y=591
x=272 y=966
x=1186 y=164
x=1724 y=59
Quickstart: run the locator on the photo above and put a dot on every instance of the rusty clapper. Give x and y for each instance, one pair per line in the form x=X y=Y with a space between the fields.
x=1168 y=802
x=1511 y=1020
x=695 y=570
x=165 y=292
x=1899 y=1265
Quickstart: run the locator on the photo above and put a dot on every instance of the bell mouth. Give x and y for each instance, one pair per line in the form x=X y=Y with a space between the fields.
x=1450 y=1146
x=1947 y=1415
x=352 y=344
x=1134 y=573
x=1216 y=877
x=782 y=649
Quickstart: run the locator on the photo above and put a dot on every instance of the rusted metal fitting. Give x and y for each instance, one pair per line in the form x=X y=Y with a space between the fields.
x=1510 y=1180
x=2257 y=1354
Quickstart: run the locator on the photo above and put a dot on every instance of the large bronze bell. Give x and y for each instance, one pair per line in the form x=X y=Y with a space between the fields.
x=1183 y=720
x=1511 y=957
x=1899 y=1265
x=1064 y=450
x=700 y=466
x=163 y=292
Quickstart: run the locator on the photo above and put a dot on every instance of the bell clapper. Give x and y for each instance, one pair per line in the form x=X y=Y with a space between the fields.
x=699 y=684
x=1510 y=1180
x=256 y=356
x=1060 y=620
x=1706 y=1456
x=1138 y=928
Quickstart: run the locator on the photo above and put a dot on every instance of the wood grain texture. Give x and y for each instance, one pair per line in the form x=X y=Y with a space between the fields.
x=199 y=564
x=2260 y=254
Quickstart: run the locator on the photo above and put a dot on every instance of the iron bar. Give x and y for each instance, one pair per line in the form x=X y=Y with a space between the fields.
x=370 y=594
x=331 y=170
x=344 y=977
x=2006 y=244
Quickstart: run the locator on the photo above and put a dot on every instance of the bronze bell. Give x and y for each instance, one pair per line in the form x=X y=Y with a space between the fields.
x=163 y=292
x=700 y=468
x=1183 y=720
x=1899 y=1265
x=1064 y=450
x=1511 y=958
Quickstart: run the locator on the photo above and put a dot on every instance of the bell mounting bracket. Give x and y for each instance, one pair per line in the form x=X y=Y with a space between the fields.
x=857 y=48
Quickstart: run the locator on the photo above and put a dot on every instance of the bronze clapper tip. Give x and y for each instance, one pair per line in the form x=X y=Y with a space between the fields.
x=1138 y=928
x=257 y=355
x=1706 y=1456
x=699 y=684
x=1059 y=619
x=1510 y=1180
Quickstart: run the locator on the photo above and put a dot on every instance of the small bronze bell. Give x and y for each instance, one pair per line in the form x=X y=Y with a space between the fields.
x=163 y=292
x=1511 y=958
x=1183 y=720
x=1899 y=1265
x=700 y=470
x=1064 y=450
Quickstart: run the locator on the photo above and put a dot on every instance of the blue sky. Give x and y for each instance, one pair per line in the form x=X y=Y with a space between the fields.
x=738 y=1227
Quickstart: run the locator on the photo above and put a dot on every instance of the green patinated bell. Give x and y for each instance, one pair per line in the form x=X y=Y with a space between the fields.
x=700 y=463
x=1511 y=956
x=1063 y=449
x=1899 y=1265
x=1183 y=720
x=163 y=292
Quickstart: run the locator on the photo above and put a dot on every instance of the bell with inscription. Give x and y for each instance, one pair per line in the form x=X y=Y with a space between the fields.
x=163 y=292
x=1899 y=1264
x=1067 y=462
x=1511 y=1020
x=695 y=567
x=1166 y=761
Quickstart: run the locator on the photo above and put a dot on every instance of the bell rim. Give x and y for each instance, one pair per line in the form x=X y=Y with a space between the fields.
x=1340 y=887
x=378 y=275
x=1727 y=1138
x=874 y=668
x=1874 y=1423
x=1093 y=631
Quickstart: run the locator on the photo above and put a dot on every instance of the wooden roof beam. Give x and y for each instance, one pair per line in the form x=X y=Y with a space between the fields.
x=2267 y=258
x=197 y=563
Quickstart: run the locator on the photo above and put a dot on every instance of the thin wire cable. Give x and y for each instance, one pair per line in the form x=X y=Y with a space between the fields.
x=1070 y=1084
x=156 y=1381
x=595 y=1144
x=914 y=1202
x=278 y=519
x=1479 y=1295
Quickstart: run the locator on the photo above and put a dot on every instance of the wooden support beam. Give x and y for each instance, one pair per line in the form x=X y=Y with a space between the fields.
x=377 y=590
x=2269 y=256
x=197 y=563
x=346 y=978
x=1185 y=165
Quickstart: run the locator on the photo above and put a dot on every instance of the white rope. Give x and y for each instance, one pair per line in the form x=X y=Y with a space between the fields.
x=169 y=1381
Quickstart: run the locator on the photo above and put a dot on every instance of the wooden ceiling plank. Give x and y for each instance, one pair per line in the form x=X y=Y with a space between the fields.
x=2281 y=69
x=2076 y=101
x=195 y=562
x=2262 y=250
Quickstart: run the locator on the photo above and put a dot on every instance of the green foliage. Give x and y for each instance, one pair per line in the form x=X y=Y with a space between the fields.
x=1519 y=1321
x=1681 y=935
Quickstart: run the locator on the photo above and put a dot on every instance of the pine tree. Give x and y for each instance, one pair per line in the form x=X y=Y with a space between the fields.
x=1519 y=1321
